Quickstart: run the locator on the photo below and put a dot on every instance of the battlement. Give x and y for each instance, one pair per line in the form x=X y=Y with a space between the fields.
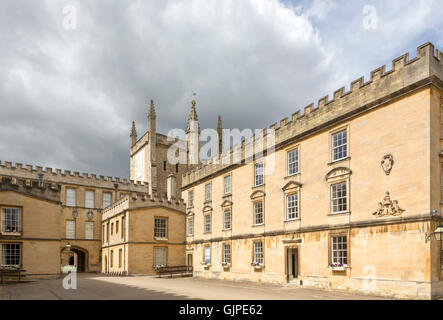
x=37 y=173
x=134 y=201
x=405 y=75
x=36 y=188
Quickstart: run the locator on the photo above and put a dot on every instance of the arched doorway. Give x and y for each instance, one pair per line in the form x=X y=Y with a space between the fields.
x=75 y=257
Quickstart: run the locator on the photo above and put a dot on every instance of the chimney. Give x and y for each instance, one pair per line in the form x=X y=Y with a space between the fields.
x=171 y=186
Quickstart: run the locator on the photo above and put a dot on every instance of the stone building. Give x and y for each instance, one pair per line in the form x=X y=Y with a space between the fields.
x=142 y=232
x=52 y=218
x=347 y=199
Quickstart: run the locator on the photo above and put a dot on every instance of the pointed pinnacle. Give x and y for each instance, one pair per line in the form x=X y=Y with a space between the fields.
x=152 y=109
x=133 y=130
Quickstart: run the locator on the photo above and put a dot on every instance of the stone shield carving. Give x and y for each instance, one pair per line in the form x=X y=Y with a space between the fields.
x=388 y=207
x=387 y=163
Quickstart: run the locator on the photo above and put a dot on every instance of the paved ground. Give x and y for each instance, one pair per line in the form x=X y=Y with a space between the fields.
x=97 y=287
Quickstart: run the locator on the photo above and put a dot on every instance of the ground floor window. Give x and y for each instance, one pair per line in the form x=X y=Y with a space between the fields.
x=226 y=253
x=207 y=255
x=159 y=257
x=258 y=252
x=11 y=253
x=339 y=250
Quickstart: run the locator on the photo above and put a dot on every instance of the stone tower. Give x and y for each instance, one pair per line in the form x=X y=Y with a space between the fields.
x=152 y=132
x=193 y=137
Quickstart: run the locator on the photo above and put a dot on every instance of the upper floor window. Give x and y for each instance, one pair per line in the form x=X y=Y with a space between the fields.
x=139 y=171
x=227 y=219
x=293 y=162
x=89 y=230
x=442 y=187
x=292 y=206
x=258 y=213
x=70 y=229
x=160 y=228
x=190 y=198
x=106 y=199
x=190 y=226
x=227 y=184
x=208 y=192
x=11 y=220
x=258 y=174
x=11 y=253
x=123 y=227
x=339 y=250
x=207 y=223
x=339 y=198
x=164 y=165
x=442 y=121
x=89 y=199
x=258 y=252
x=340 y=145
x=70 y=197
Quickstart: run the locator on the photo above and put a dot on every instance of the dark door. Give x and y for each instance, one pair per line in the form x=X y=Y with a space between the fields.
x=189 y=260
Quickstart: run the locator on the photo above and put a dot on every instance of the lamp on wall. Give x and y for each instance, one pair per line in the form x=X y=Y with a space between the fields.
x=437 y=234
x=74 y=214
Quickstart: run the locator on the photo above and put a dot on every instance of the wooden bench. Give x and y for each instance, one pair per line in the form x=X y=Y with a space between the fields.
x=174 y=270
x=11 y=272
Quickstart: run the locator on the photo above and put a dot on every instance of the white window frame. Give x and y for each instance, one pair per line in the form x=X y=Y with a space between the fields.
x=227 y=185
x=190 y=198
x=107 y=202
x=226 y=253
x=339 y=250
x=160 y=228
x=207 y=223
x=160 y=256
x=11 y=220
x=339 y=199
x=208 y=192
x=14 y=251
x=258 y=208
x=293 y=162
x=207 y=254
x=292 y=206
x=339 y=143
x=89 y=230
x=259 y=178
x=70 y=229
x=139 y=170
x=258 y=252
x=71 y=197
x=190 y=226
x=89 y=199
x=227 y=219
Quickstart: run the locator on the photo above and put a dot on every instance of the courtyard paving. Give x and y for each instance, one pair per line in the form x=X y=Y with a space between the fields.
x=99 y=287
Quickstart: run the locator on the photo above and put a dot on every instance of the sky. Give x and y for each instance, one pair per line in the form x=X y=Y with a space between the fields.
x=75 y=74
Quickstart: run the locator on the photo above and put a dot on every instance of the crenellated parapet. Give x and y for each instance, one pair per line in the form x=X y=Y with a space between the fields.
x=135 y=201
x=405 y=75
x=58 y=176
x=36 y=188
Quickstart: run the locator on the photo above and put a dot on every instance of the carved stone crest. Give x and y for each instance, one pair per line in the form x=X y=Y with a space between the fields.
x=388 y=207
x=387 y=163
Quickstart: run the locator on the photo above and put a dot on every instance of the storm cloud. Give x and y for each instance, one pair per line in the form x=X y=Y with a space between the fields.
x=67 y=97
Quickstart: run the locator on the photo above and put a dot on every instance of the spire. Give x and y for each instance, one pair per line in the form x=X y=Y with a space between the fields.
x=193 y=116
x=220 y=135
x=133 y=130
x=152 y=110
x=133 y=135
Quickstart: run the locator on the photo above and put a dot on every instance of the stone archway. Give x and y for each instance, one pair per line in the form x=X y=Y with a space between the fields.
x=75 y=257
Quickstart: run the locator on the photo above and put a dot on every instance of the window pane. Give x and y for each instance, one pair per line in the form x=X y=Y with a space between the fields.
x=159 y=257
x=160 y=228
x=11 y=254
x=70 y=229
x=89 y=231
x=258 y=171
x=89 y=199
x=292 y=206
x=339 y=197
x=70 y=197
x=106 y=199
x=339 y=145
x=227 y=184
x=11 y=220
x=339 y=250
x=293 y=162
x=258 y=212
